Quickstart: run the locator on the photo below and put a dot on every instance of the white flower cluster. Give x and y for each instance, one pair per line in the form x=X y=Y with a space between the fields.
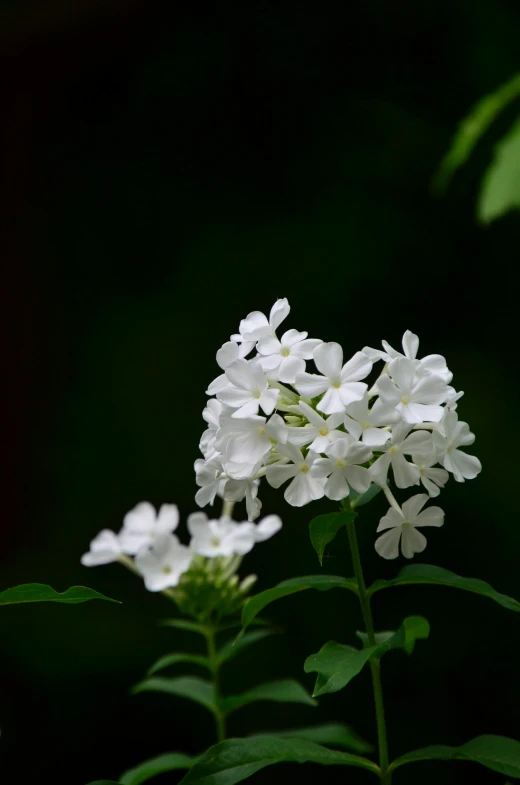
x=160 y=557
x=328 y=432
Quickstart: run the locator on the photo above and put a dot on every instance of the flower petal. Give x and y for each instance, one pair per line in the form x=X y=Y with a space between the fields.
x=410 y=345
x=412 y=542
x=387 y=545
x=328 y=358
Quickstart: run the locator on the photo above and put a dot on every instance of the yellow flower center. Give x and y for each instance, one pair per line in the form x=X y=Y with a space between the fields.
x=215 y=542
x=285 y=351
x=304 y=468
x=340 y=463
x=324 y=431
x=404 y=400
x=166 y=570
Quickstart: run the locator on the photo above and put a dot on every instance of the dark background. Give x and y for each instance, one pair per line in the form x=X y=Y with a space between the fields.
x=166 y=170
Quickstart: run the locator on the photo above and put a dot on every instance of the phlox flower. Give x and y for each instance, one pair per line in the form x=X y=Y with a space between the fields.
x=224 y=537
x=256 y=325
x=402 y=443
x=447 y=440
x=142 y=525
x=243 y=442
x=227 y=353
x=340 y=383
x=104 y=549
x=163 y=563
x=403 y=528
x=319 y=433
x=341 y=468
x=432 y=478
x=284 y=359
x=416 y=395
x=369 y=424
x=434 y=363
x=248 y=389
x=304 y=486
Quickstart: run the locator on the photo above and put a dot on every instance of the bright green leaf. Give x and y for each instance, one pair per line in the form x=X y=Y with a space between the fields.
x=337 y=664
x=495 y=752
x=333 y=734
x=472 y=128
x=429 y=574
x=356 y=499
x=500 y=191
x=324 y=528
x=170 y=761
x=321 y=582
x=237 y=759
x=235 y=646
x=283 y=691
x=175 y=658
x=190 y=687
x=39 y=592
x=183 y=624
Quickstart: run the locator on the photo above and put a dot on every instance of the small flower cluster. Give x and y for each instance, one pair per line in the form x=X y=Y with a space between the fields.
x=161 y=559
x=328 y=432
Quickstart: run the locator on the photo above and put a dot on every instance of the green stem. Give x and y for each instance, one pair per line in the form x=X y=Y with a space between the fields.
x=375 y=668
x=220 y=720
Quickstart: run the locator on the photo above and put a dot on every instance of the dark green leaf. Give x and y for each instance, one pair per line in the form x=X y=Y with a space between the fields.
x=429 y=574
x=234 y=647
x=332 y=734
x=170 y=761
x=337 y=664
x=190 y=687
x=283 y=691
x=324 y=528
x=359 y=499
x=379 y=637
x=177 y=657
x=472 y=128
x=321 y=582
x=500 y=191
x=39 y=592
x=183 y=624
x=495 y=752
x=237 y=759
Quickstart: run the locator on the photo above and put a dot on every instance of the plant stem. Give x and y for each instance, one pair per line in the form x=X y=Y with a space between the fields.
x=220 y=720
x=375 y=668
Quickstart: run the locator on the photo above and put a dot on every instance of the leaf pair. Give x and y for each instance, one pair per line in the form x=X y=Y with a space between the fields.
x=202 y=692
x=337 y=664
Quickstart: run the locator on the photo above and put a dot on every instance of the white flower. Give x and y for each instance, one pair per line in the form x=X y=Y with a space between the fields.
x=208 y=478
x=456 y=434
x=321 y=432
x=339 y=382
x=415 y=394
x=104 y=549
x=227 y=353
x=237 y=490
x=341 y=469
x=284 y=359
x=224 y=537
x=142 y=525
x=403 y=527
x=256 y=325
x=211 y=414
x=304 y=487
x=245 y=441
x=402 y=443
x=434 y=363
x=249 y=389
x=432 y=479
x=362 y=422
x=163 y=563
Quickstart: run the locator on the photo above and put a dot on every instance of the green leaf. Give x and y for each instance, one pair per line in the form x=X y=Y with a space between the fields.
x=283 y=691
x=495 y=752
x=472 y=128
x=170 y=761
x=190 y=687
x=429 y=574
x=177 y=657
x=320 y=582
x=237 y=759
x=39 y=592
x=337 y=664
x=500 y=190
x=359 y=499
x=333 y=734
x=183 y=624
x=235 y=646
x=324 y=528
